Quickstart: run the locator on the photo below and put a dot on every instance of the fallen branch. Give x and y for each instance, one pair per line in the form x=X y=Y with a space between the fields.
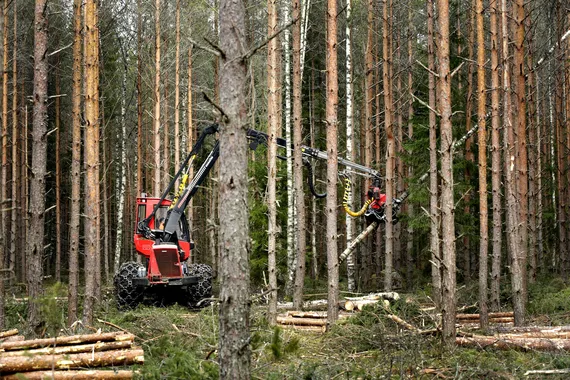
x=117 y=327
x=547 y=372
x=75 y=375
x=70 y=361
x=66 y=340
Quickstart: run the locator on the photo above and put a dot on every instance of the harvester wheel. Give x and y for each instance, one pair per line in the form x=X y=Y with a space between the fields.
x=127 y=294
x=203 y=289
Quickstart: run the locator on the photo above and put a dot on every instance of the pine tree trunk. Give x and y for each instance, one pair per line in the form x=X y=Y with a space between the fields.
x=410 y=172
x=434 y=210
x=300 y=232
x=35 y=236
x=156 y=143
x=272 y=126
x=447 y=204
x=332 y=162
x=513 y=214
x=92 y=204
x=140 y=156
x=14 y=237
x=482 y=142
x=190 y=132
x=390 y=145
x=533 y=168
x=495 y=162
x=520 y=139
x=234 y=351
x=57 y=171
x=4 y=215
x=177 y=136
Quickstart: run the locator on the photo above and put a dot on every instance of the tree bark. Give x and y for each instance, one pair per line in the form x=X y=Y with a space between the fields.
x=156 y=143
x=350 y=153
x=526 y=344
x=513 y=214
x=73 y=281
x=300 y=230
x=390 y=145
x=495 y=162
x=434 y=210
x=482 y=142
x=92 y=211
x=36 y=211
x=234 y=232
x=447 y=203
x=177 y=136
x=58 y=350
x=332 y=162
x=272 y=126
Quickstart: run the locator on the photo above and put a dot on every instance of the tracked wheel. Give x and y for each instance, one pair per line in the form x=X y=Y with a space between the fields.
x=203 y=289
x=127 y=294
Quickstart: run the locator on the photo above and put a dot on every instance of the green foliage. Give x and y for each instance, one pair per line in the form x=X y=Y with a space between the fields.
x=550 y=297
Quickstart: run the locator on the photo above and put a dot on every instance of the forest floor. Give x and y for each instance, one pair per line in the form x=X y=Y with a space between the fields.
x=181 y=344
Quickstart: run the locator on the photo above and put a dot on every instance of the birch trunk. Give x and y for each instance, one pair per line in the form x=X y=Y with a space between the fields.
x=350 y=222
x=272 y=127
x=123 y=174
x=291 y=254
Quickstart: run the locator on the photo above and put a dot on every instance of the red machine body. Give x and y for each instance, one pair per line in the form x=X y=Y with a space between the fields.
x=164 y=261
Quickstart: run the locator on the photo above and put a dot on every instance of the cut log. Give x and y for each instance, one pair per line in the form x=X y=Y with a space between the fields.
x=491 y=315
x=75 y=349
x=6 y=334
x=306 y=304
x=75 y=375
x=547 y=372
x=352 y=305
x=491 y=320
x=525 y=344
x=319 y=329
x=537 y=334
x=392 y=296
x=24 y=363
x=66 y=340
x=301 y=321
x=14 y=338
x=525 y=329
x=307 y=314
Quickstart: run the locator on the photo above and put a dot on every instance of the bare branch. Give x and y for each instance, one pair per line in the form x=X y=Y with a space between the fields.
x=261 y=45
x=424 y=104
x=216 y=51
x=425 y=67
x=60 y=49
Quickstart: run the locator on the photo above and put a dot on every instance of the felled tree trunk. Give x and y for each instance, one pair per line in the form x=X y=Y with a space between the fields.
x=5 y=334
x=75 y=375
x=67 y=340
x=68 y=361
x=525 y=344
x=96 y=347
x=302 y=321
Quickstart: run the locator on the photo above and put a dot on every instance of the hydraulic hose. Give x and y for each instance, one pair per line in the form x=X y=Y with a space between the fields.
x=345 y=199
x=311 y=183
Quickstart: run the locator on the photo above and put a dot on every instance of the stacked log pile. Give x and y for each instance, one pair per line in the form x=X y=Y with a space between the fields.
x=70 y=357
x=526 y=338
x=306 y=320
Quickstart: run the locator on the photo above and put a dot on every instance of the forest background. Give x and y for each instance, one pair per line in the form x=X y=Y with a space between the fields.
x=69 y=182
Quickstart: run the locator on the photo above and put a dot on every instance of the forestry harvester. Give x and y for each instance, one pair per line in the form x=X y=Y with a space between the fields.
x=163 y=238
